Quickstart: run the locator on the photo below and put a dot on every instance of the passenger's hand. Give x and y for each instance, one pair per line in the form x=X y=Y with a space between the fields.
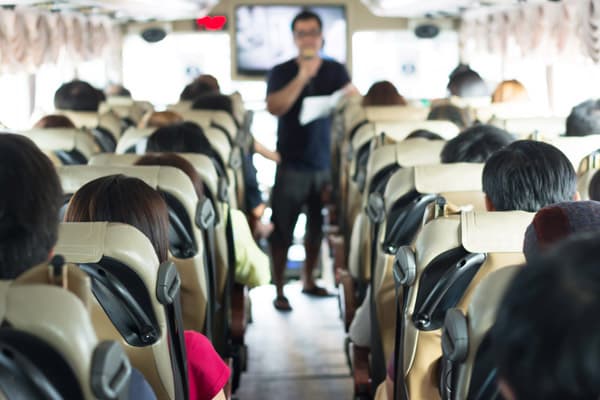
x=308 y=67
x=276 y=157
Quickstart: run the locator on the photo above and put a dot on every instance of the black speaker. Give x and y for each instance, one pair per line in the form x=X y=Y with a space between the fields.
x=426 y=31
x=154 y=34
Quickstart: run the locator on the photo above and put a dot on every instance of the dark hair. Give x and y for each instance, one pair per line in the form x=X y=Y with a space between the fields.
x=546 y=339
x=29 y=205
x=54 y=121
x=464 y=82
x=594 y=189
x=449 y=112
x=195 y=89
x=424 y=134
x=119 y=198
x=186 y=137
x=306 y=15
x=78 y=96
x=158 y=119
x=475 y=144
x=213 y=101
x=528 y=175
x=174 y=160
x=383 y=93
x=584 y=119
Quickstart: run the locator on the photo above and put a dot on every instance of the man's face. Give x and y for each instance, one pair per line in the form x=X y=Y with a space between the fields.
x=308 y=36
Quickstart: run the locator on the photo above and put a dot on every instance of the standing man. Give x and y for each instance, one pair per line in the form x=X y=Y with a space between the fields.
x=304 y=170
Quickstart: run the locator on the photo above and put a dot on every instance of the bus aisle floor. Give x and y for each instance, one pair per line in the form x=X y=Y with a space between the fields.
x=297 y=355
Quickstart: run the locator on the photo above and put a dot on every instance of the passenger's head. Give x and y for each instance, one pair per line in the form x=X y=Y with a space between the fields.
x=556 y=222
x=77 y=96
x=527 y=175
x=584 y=119
x=464 y=82
x=213 y=101
x=307 y=28
x=29 y=205
x=158 y=119
x=195 y=89
x=209 y=80
x=475 y=144
x=450 y=112
x=185 y=137
x=54 y=121
x=424 y=134
x=508 y=91
x=546 y=339
x=118 y=198
x=116 y=89
x=383 y=93
x=594 y=189
x=174 y=160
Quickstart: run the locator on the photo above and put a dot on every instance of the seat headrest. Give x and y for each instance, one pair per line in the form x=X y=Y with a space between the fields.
x=509 y=110
x=494 y=232
x=210 y=118
x=419 y=151
x=396 y=113
x=399 y=130
x=64 y=139
x=111 y=122
x=576 y=148
x=182 y=105
x=523 y=127
x=583 y=184
x=363 y=135
x=440 y=178
x=81 y=119
x=131 y=137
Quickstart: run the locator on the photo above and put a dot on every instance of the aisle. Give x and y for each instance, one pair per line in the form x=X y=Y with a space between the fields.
x=296 y=355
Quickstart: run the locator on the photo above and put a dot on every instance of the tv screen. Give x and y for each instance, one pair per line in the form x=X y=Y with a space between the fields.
x=264 y=38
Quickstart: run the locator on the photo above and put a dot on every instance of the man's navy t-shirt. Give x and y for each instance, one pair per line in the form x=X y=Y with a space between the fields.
x=306 y=147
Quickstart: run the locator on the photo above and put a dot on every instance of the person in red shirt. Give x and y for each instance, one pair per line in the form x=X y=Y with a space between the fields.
x=118 y=198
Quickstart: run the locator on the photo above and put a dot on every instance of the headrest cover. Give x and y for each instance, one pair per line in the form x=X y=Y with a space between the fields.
x=131 y=137
x=67 y=139
x=418 y=151
x=455 y=177
x=399 y=130
x=396 y=113
x=494 y=232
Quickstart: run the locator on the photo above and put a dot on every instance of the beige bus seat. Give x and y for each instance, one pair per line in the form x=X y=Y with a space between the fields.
x=399 y=130
x=182 y=105
x=509 y=110
x=51 y=349
x=467 y=365
x=397 y=216
x=396 y=113
x=187 y=247
x=127 y=282
x=213 y=119
x=576 y=148
x=450 y=257
x=106 y=128
x=134 y=140
x=64 y=145
x=526 y=127
x=125 y=107
x=583 y=184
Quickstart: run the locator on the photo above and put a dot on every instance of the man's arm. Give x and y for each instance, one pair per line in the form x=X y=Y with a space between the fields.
x=279 y=102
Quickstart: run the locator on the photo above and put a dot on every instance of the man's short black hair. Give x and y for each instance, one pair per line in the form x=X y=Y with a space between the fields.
x=196 y=89
x=306 y=15
x=424 y=134
x=475 y=144
x=528 y=175
x=29 y=205
x=584 y=119
x=213 y=101
x=546 y=339
x=77 y=96
x=464 y=82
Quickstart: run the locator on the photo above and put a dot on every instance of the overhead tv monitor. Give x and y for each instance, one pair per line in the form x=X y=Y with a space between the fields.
x=263 y=35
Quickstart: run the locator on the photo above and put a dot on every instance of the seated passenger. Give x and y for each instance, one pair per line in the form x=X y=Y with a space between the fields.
x=528 y=175
x=383 y=93
x=54 y=121
x=203 y=84
x=158 y=119
x=546 y=337
x=464 y=82
x=475 y=144
x=556 y=222
x=251 y=264
x=29 y=218
x=510 y=91
x=118 y=198
x=77 y=96
x=424 y=134
x=445 y=111
x=584 y=119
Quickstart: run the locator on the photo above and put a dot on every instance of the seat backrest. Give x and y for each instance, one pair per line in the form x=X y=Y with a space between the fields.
x=125 y=107
x=213 y=119
x=126 y=283
x=583 y=184
x=396 y=113
x=132 y=138
x=510 y=110
x=450 y=257
x=468 y=368
x=106 y=127
x=50 y=350
x=399 y=130
x=526 y=126
x=187 y=247
x=69 y=146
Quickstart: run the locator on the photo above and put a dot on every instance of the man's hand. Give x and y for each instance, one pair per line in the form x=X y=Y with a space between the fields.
x=308 y=66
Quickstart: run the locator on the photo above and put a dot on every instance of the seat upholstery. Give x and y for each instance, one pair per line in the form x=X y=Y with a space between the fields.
x=583 y=184
x=399 y=130
x=576 y=148
x=451 y=256
x=191 y=267
x=212 y=119
x=91 y=242
x=526 y=126
x=131 y=138
x=512 y=110
x=396 y=113
x=90 y=119
x=51 y=328
x=472 y=360
x=64 y=145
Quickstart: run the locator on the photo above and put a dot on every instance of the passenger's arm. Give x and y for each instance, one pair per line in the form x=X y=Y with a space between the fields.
x=265 y=152
x=279 y=102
